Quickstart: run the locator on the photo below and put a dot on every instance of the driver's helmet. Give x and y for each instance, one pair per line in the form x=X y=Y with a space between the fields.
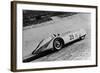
x=55 y=35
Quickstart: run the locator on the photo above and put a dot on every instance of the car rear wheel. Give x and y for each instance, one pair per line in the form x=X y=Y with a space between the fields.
x=58 y=44
x=82 y=37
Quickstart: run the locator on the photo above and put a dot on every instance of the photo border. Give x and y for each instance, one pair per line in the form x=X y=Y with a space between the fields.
x=14 y=35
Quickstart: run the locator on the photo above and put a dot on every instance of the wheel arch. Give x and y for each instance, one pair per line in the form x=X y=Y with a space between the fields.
x=60 y=39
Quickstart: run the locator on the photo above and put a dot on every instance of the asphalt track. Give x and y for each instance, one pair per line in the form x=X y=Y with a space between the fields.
x=78 y=50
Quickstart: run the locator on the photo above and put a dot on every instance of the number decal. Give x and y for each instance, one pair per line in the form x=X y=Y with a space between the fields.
x=71 y=37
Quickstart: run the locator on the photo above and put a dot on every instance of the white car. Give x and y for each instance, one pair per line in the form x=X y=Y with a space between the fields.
x=57 y=41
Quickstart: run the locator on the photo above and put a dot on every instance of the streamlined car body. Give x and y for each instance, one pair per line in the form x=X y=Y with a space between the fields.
x=56 y=42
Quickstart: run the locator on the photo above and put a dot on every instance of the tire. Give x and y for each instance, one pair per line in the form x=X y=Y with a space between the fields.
x=57 y=44
x=82 y=37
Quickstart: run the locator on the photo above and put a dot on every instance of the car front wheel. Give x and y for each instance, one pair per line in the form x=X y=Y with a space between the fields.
x=58 y=44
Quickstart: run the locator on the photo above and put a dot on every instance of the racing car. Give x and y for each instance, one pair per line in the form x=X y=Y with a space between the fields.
x=56 y=42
